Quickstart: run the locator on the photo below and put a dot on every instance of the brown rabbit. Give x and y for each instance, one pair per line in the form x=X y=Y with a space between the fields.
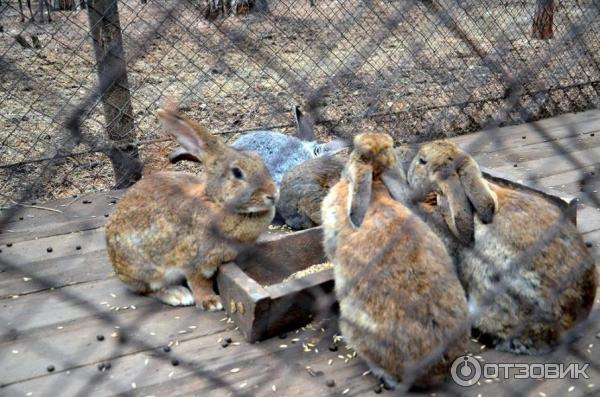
x=402 y=306
x=519 y=258
x=171 y=225
x=303 y=189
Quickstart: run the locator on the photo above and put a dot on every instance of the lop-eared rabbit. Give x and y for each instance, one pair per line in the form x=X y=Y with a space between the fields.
x=402 y=307
x=171 y=225
x=520 y=260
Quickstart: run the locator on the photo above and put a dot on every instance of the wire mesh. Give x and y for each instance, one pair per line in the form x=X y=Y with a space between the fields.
x=419 y=70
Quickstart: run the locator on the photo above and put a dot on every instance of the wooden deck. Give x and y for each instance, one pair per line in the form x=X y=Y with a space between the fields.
x=59 y=298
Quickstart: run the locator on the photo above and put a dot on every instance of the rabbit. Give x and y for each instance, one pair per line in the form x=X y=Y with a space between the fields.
x=402 y=307
x=281 y=152
x=303 y=189
x=518 y=257
x=171 y=225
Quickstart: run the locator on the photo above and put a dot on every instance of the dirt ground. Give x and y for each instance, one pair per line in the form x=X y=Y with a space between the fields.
x=385 y=65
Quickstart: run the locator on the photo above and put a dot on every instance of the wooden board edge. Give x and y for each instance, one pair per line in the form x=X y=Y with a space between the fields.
x=278 y=290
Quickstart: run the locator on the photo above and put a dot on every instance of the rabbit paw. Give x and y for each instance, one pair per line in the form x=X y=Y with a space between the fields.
x=177 y=295
x=212 y=303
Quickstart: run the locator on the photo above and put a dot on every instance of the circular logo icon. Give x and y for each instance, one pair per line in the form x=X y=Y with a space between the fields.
x=465 y=371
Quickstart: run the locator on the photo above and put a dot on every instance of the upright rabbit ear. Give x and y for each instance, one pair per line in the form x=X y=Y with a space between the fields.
x=456 y=207
x=194 y=138
x=478 y=190
x=359 y=197
x=304 y=126
x=181 y=154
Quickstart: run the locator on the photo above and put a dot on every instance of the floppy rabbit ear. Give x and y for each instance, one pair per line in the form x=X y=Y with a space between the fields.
x=180 y=154
x=193 y=137
x=359 y=196
x=478 y=190
x=456 y=208
x=304 y=126
x=394 y=180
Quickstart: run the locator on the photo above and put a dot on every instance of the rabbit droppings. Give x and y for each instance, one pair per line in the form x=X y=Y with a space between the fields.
x=171 y=226
x=402 y=307
x=519 y=258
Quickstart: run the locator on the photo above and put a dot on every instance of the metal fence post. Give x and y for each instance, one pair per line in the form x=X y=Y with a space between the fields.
x=105 y=29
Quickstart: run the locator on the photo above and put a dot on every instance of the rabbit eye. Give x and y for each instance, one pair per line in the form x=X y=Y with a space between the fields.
x=422 y=161
x=237 y=173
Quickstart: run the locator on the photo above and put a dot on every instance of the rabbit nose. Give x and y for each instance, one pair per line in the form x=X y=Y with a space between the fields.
x=271 y=199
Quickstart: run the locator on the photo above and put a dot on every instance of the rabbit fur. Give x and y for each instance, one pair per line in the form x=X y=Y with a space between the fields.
x=518 y=257
x=171 y=226
x=282 y=152
x=401 y=303
x=304 y=187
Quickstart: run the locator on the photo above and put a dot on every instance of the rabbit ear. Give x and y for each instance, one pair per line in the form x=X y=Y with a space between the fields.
x=181 y=154
x=478 y=190
x=359 y=197
x=394 y=180
x=332 y=147
x=304 y=126
x=456 y=207
x=193 y=137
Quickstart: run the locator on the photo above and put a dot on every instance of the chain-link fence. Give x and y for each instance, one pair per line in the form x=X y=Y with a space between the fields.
x=79 y=94
x=420 y=70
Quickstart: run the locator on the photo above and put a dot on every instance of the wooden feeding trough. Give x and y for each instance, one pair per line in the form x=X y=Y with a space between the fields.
x=257 y=298
x=263 y=304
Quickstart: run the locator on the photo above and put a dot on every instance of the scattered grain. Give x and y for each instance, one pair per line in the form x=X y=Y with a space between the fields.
x=309 y=270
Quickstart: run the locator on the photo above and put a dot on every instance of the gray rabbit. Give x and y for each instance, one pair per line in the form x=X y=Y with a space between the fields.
x=282 y=152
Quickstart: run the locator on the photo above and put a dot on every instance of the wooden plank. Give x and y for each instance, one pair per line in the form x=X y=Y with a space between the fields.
x=24 y=252
x=523 y=153
x=564 y=126
x=593 y=240
x=76 y=216
x=147 y=328
x=262 y=366
x=588 y=219
x=71 y=303
x=540 y=168
x=28 y=267
x=55 y=273
x=570 y=180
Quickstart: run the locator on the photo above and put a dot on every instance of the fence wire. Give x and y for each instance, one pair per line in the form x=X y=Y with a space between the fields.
x=77 y=112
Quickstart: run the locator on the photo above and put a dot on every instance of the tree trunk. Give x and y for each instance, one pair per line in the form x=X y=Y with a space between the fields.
x=105 y=28
x=64 y=5
x=543 y=20
x=222 y=8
